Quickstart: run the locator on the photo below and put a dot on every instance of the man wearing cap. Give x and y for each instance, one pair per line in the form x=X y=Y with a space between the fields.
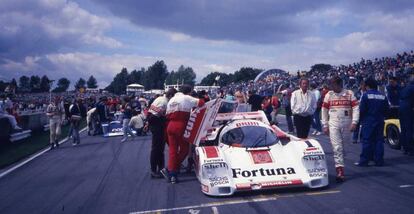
x=178 y=113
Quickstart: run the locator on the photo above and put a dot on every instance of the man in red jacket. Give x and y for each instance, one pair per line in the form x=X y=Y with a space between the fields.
x=178 y=112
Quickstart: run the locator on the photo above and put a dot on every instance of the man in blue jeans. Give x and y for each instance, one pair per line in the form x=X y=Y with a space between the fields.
x=316 y=119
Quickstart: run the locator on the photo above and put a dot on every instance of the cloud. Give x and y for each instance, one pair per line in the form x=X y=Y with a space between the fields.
x=37 y=27
x=245 y=21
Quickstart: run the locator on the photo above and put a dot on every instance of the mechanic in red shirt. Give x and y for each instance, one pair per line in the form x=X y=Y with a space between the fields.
x=178 y=112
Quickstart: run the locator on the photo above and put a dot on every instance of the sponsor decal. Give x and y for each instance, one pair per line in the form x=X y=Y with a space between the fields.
x=210 y=151
x=260 y=157
x=218 y=181
x=237 y=172
x=313 y=175
x=204 y=188
x=313 y=153
x=214 y=165
x=213 y=161
x=193 y=124
x=313 y=157
x=116 y=130
x=269 y=184
x=316 y=170
x=247 y=123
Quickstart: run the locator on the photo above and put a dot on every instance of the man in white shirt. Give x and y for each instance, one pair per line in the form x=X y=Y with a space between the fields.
x=178 y=113
x=303 y=104
x=157 y=124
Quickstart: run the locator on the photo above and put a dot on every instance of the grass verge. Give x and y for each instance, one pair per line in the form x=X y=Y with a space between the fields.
x=13 y=152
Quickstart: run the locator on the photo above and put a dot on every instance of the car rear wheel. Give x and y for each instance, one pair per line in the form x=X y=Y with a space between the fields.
x=393 y=137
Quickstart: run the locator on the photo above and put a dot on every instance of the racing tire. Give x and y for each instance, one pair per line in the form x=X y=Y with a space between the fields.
x=392 y=137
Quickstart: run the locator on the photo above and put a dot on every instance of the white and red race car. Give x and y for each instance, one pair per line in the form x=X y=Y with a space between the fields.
x=240 y=151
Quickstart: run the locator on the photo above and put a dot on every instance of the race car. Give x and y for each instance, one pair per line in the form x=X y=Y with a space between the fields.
x=241 y=151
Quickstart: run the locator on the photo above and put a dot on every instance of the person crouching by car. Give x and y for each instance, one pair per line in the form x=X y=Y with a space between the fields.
x=178 y=113
x=137 y=122
x=56 y=113
x=157 y=125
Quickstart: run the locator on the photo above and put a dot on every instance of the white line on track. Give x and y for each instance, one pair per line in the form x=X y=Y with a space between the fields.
x=32 y=157
x=406 y=186
x=215 y=210
x=233 y=202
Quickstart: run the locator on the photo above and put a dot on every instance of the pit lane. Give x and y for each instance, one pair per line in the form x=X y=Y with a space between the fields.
x=102 y=175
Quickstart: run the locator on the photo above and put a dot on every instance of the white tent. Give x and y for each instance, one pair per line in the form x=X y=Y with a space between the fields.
x=135 y=88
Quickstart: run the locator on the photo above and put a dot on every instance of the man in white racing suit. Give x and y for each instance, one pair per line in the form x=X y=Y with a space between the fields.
x=340 y=115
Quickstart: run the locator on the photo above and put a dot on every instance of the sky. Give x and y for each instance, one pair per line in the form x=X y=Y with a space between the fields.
x=79 y=38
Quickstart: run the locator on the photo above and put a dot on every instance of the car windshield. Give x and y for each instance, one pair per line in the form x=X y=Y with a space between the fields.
x=249 y=137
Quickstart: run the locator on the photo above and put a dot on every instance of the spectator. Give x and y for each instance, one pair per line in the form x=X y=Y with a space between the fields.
x=373 y=108
x=316 y=121
x=91 y=121
x=393 y=90
x=230 y=96
x=275 y=108
x=240 y=97
x=303 y=106
x=137 y=123
x=75 y=118
x=286 y=95
x=12 y=119
x=340 y=114
x=56 y=113
x=255 y=101
x=102 y=111
x=406 y=116
x=126 y=117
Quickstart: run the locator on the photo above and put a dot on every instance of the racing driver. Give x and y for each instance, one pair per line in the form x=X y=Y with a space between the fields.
x=178 y=112
x=340 y=114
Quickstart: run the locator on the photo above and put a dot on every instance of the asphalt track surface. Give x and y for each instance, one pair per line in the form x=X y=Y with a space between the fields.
x=102 y=175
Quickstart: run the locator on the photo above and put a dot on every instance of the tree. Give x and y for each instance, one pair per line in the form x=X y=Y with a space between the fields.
x=62 y=85
x=3 y=85
x=184 y=75
x=45 y=84
x=155 y=76
x=119 y=83
x=35 y=83
x=80 y=84
x=136 y=76
x=24 y=84
x=217 y=78
x=246 y=74
x=92 y=83
x=320 y=67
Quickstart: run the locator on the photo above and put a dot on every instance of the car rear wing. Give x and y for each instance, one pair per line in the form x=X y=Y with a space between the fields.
x=213 y=114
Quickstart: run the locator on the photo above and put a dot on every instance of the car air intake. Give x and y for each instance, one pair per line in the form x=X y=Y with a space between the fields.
x=224 y=190
x=316 y=182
